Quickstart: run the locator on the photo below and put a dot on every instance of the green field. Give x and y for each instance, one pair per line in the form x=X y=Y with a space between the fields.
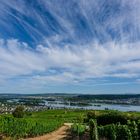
x=39 y=123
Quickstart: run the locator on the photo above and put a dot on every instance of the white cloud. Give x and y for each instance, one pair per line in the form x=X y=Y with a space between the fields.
x=75 y=63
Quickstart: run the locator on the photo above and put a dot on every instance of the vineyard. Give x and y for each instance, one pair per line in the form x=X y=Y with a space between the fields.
x=108 y=125
x=94 y=125
x=36 y=124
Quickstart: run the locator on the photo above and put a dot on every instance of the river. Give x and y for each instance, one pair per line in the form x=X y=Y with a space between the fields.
x=94 y=106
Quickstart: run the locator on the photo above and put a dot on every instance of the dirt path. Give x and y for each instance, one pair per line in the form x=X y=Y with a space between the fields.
x=61 y=134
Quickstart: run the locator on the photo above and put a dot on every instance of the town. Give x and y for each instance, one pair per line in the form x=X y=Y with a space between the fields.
x=34 y=103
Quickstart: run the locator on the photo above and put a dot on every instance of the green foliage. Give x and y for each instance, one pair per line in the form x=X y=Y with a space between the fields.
x=37 y=123
x=138 y=129
x=134 y=129
x=28 y=113
x=18 y=112
x=78 y=129
x=42 y=122
x=108 y=131
x=114 y=125
x=80 y=118
x=123 y=132
x=93 y=129
x=37 y=129
x=120 y=132
x=13 y=127
x=110 y=118
x=21 y=127
x=91 y=115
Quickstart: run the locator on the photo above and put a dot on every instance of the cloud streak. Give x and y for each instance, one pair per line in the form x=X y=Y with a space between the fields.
x=76 y=21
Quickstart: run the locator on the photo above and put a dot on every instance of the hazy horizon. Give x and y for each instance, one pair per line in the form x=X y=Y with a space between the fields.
x=69 y=93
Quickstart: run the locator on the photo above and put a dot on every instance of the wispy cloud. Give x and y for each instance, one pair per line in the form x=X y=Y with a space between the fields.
x=75 y=21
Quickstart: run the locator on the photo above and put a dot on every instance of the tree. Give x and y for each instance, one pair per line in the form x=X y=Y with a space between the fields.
x=18 y=112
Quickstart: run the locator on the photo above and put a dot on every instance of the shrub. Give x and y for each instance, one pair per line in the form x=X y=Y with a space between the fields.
x=111 y=118
x=18 y=112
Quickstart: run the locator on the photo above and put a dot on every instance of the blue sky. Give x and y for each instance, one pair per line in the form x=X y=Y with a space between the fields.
x=72 y=46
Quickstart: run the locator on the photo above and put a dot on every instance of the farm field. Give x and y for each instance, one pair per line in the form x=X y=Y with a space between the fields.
x=37 y=123
x=43 y=122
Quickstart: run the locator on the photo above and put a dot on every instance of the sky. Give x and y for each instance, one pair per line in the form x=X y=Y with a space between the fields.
x=70 y=46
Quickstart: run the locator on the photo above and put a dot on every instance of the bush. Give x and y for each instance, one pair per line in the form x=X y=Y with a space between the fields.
x=18 y=112
x=111 y=118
